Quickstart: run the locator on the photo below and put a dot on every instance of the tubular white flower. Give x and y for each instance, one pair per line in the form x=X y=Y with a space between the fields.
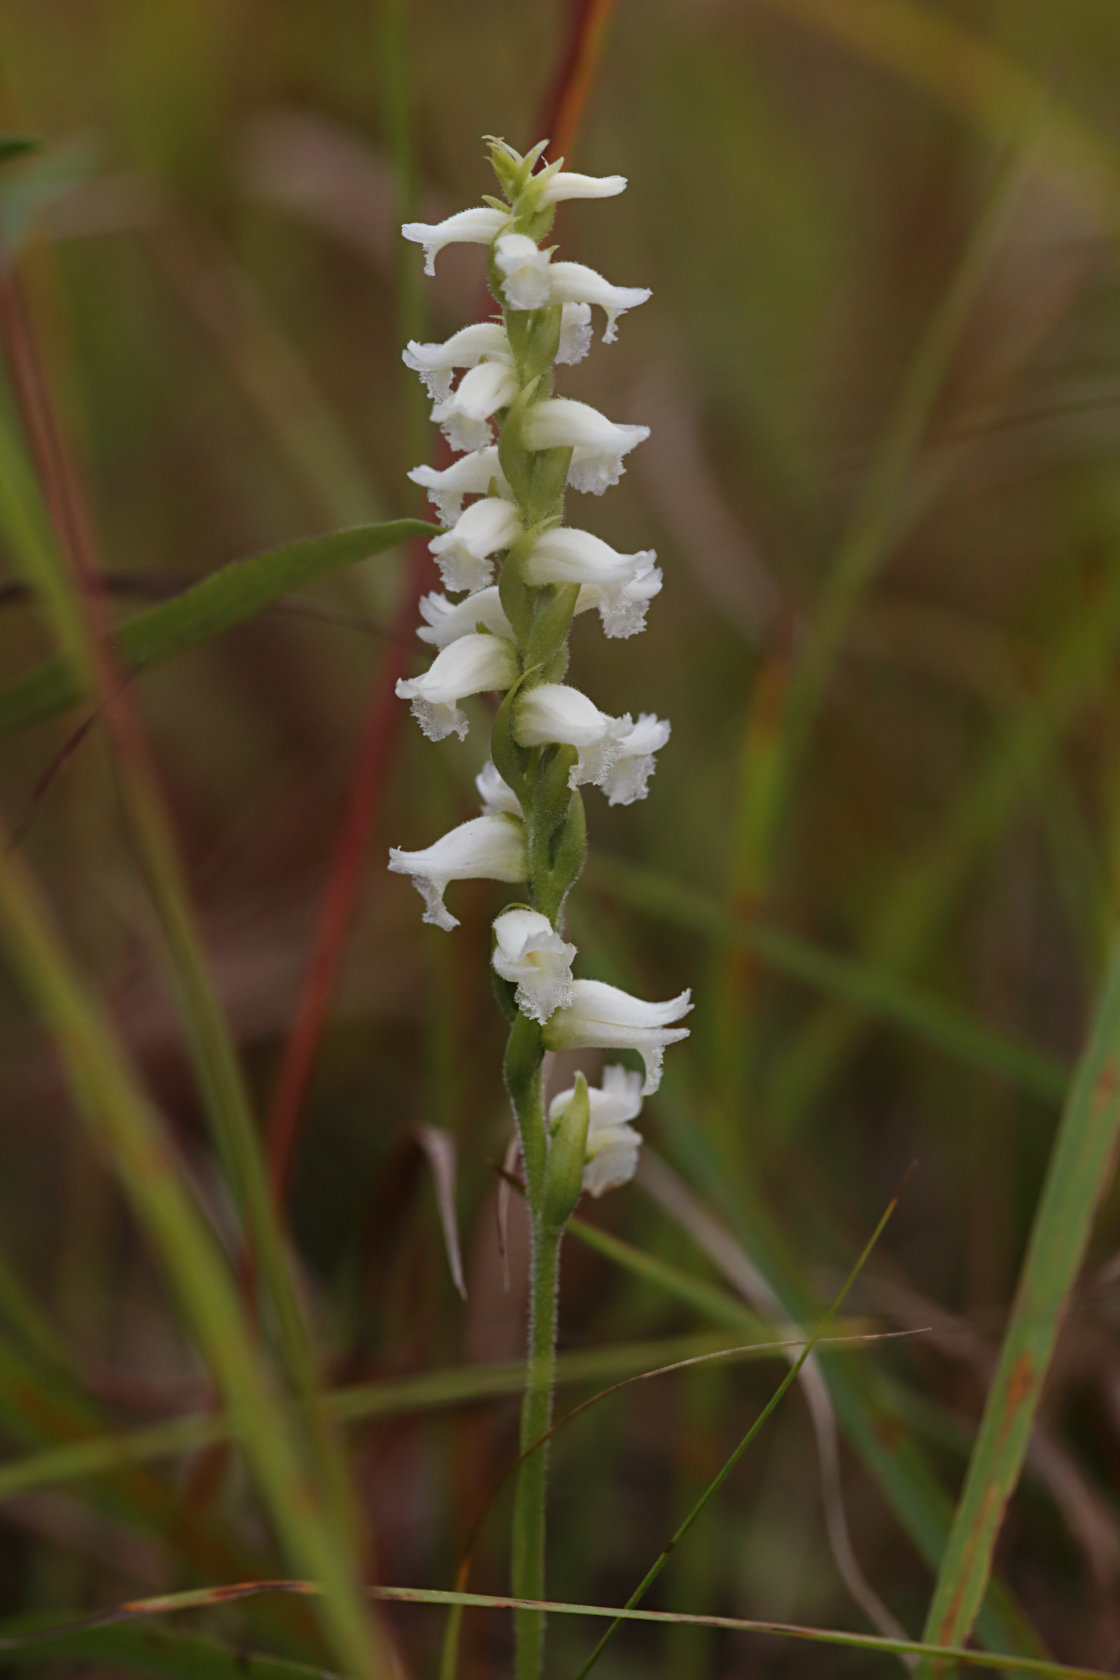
x=478 y=226
x=445 y=621
x=627 y=777
x=602 y=1017
x=489 y=848
x=463 y=414
x=524 y=270
x=463 y=553
x=495 y=794
x=435 y=363
x=612 y=1143
x=597 y=444
x=531 y=954
x=619 y=585
x=472 y=476
x=575 y=334
x=568 y=184
x=553 y=713
x=571 y=282
x=474 y=664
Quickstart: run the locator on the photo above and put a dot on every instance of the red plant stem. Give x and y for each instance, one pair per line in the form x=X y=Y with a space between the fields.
x=563 y=108
x=371 y=771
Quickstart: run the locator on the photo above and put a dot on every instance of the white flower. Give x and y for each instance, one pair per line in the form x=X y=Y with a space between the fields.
x=474 y=664
x=553 y=713
x=633 y=765
x=571 y=282
x=463 y=553
x=524 y=270
x=575 y=334
x=597 y=444
x=471 y=476
x=490 y=848
x=445 y=621
x=435 y=363
x=614 y=753
x=619 y=585
x=495 y=794
x=479 y=226
x=463 y=415
x=530 y=953
x=567 y=184
x=612 y=1144
x=602 y=1017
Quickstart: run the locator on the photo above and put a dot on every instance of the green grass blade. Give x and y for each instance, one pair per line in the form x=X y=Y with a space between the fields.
x=151 y=1650
x=873 y=990
x=228 y=596
x=729 y=1464
x=133 y=1140
x=1079 y=1172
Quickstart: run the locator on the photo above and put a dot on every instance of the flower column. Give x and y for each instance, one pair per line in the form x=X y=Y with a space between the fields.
x=548 y=739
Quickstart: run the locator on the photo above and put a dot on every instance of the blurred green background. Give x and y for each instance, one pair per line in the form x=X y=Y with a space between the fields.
x=882 y=369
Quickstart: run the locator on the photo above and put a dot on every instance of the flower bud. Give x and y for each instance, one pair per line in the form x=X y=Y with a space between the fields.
x=567 y=1153
x=612 y=1143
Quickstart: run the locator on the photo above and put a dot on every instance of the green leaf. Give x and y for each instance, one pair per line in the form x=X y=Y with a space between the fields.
x=151 y=1650
x=16 y=145
x=227 y=597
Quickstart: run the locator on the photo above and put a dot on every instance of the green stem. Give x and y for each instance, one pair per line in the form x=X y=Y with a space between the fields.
x=536 y=1420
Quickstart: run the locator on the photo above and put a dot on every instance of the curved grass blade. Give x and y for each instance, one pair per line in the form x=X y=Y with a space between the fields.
x=132 y=1137
x=1080 y=1171
x=229 y=596
x=858 y=984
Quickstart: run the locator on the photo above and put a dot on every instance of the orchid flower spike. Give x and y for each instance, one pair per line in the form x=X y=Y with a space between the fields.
x=612 y=1143
x=533 y=956
x=602 y=1017
x=488 y=848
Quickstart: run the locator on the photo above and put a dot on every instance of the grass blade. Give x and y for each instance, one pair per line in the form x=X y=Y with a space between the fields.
x=228 y=596
x=1080 y=1171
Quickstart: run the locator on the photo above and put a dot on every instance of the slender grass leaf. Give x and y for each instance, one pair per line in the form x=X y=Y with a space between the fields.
x=229 y=596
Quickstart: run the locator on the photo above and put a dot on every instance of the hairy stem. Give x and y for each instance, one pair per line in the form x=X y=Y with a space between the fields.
x=536 y=1420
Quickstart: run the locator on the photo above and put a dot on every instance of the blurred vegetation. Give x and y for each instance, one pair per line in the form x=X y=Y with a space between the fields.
x=882 y=368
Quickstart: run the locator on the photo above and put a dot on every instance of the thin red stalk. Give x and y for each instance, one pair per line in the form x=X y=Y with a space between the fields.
x=563 y=108
x=375 y=752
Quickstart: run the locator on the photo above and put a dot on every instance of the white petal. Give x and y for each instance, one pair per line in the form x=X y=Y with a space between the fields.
x=598 y=444
x=631 y=767
x=612 y=1159
x=622 y=607
x=471 y=476
x=483 y=390
x=531 y=954
x=478 y=226
x=473 y=664
x=568 y=184
x=553 y=713
x=575 y=334
x=605 y=1017
x=612 y=1143
x=524 y=269
x=489 y=848
x=571 y=282
x=495 y=794
x=464 y=349
x=463 y=553
x=445 y=621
